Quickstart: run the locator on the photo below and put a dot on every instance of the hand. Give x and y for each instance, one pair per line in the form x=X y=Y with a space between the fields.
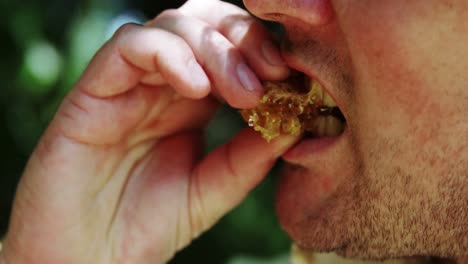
x=118 y=176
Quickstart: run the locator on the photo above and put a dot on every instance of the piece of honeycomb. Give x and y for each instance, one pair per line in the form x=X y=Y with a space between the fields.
x=287 y=107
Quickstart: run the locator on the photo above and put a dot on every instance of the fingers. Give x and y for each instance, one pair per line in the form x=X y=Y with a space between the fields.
x=136 y=50
x=233 y=48
x=225 y=177
x=189 y=50
x=243 y=31
x=224 y=64
x=253 y=40
x=162 y=121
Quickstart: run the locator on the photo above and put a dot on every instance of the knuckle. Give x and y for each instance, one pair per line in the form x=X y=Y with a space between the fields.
x=197 y=7
x=240 y=21
x=237 y=28
x=169 y=13
x=125 y=30
x=216 y=42
x=166 y=15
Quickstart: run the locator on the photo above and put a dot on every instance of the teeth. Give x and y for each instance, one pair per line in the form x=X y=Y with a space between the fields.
x=319 y=95
x=334 y=126
x=327 y=126
x=324 y=125
x=316 y=91
x=328 y=100
x=320 y=126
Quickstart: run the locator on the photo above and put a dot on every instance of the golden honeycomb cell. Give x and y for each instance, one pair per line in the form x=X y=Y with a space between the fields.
x=287 y=107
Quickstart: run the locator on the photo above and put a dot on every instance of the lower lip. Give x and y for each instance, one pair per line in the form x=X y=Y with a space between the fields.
x=311 y=146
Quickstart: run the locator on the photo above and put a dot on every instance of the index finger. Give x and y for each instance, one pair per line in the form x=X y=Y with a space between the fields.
x=245 y=32
x=136 y=50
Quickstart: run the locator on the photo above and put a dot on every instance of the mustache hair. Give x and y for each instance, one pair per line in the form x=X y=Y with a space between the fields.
x=327 y=61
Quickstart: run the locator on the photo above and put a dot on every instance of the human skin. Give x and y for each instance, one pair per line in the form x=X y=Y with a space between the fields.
x=395 y=184
x=119 y=175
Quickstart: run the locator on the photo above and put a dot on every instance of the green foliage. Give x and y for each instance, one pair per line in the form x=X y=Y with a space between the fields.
x=41 y=69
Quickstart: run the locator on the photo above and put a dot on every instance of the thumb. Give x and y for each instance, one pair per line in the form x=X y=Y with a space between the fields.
x=228 y=174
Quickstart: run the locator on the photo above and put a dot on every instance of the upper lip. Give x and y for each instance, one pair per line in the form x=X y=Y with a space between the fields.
x=295 y=64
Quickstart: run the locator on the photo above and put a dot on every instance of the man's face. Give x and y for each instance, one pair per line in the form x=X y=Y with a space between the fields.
x=395 y=182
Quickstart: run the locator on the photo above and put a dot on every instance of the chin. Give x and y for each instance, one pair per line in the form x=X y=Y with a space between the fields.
x=313 y=210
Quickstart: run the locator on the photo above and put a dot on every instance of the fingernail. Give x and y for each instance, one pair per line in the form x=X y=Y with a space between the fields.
x=247 y=78
x=197 y=75
x=271 y=54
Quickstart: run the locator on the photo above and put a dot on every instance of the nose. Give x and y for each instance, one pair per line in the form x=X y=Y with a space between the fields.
x=312 y=12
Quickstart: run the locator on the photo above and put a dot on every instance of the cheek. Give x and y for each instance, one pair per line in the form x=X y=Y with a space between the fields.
x=386 y=78
x=410 y=84
x=396 y=79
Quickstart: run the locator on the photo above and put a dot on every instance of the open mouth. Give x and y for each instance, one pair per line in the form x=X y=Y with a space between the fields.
x=329 y=121
x=296 y=106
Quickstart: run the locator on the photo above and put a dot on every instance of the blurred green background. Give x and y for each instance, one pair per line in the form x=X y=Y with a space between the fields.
x=45 y=45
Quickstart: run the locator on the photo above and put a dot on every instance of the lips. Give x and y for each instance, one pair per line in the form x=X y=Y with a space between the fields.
x=330 y=127
x=308 y=199
x=330 y=122
x=298 y=106
x=319 y=168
